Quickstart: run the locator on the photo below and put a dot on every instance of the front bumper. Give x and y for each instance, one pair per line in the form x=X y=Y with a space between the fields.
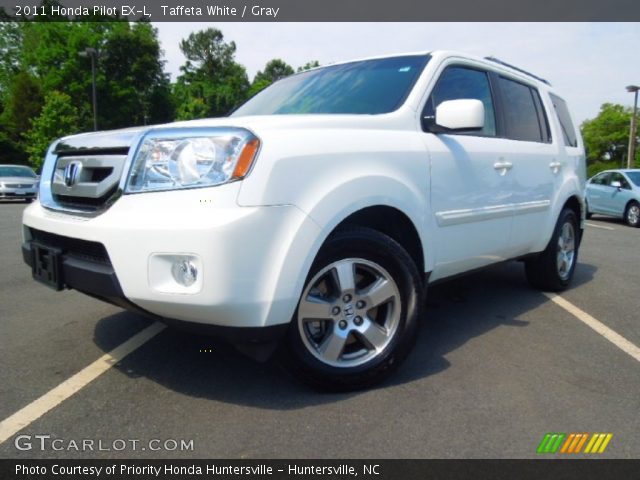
x=251 y=260
x=18 y=193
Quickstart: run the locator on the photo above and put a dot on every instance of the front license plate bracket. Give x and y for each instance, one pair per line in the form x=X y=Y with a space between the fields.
x=47 y=265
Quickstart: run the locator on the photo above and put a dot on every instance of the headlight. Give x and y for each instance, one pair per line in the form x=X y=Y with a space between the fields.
x=168 y=161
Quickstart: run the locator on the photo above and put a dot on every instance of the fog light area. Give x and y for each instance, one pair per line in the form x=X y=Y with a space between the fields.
x=175 y=273
x=184 y=272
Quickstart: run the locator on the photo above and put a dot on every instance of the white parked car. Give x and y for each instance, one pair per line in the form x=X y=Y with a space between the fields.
x=315 y=216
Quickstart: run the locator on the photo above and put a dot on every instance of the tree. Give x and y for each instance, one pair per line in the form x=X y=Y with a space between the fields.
x=308 y=66
x=59 y=117
x=134 y=88
x=210 y=78
x=24 y=101
x=10 y=41
x=606 y=137
x=273 y=71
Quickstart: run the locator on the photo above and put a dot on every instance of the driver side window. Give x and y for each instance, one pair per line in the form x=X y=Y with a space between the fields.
x=602 y=179
x=457 y=83
x=618 y=177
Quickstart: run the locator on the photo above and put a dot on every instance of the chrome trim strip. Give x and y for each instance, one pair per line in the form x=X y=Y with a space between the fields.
x=531 y=207
x=470 y=215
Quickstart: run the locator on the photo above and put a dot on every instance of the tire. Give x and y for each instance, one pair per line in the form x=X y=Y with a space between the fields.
x=357 y=316
x=588 y=214
x=632 y=214
x=552 y=269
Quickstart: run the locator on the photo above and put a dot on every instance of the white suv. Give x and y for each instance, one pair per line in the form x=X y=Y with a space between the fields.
x=315 y=216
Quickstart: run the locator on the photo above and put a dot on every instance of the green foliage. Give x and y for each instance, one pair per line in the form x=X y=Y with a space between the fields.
x=10 y=41
x=606 y=137
x=308 y=66
x=24 y=101
x=134 y=88
x=59 y=117
x=597 y=167
x=273 y=71
x=46 y=86
x=212 y=84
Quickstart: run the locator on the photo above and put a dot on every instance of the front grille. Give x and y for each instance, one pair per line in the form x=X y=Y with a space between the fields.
x=83 y=249
x=18 y=185
x=86 y=182
x=84 y=203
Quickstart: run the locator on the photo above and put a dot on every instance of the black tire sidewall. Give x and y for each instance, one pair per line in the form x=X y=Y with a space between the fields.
x=626 y=214
x=370 y=245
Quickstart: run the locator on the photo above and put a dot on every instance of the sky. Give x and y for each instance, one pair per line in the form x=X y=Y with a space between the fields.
x=589 y=63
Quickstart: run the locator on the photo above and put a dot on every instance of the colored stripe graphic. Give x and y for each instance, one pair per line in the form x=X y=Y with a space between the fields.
x=598 y=443
x=551 y=442
x=573 y=443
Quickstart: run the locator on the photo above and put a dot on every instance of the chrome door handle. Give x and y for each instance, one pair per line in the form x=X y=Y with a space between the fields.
x=503 y=167
x=555 y=166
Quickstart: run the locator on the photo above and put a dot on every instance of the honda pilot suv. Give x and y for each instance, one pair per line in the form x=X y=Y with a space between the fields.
x=312 y=219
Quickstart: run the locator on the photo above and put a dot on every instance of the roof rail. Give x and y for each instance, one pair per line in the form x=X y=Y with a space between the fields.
x=498 y=61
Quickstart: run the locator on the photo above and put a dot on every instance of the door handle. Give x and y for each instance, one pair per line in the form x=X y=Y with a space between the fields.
x=555 y=166
x=502 y=167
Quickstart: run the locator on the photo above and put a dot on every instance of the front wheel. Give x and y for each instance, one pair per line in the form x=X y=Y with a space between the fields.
x=552 y=269
x=632 y=214
x=357 y=315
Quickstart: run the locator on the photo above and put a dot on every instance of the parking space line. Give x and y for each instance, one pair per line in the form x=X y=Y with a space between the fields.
x=22 y=418
x=599 y=327
x=599 y=226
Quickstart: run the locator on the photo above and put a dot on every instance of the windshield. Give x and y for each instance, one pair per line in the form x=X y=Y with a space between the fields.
x=17 y=172
x=634 y=177
x=365 y=87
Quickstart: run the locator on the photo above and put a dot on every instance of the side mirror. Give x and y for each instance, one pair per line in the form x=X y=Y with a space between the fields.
x=616 y=184
x=464 y=114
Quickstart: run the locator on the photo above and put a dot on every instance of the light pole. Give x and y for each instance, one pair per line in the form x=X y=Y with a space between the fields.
x=93 y=53
x=631 y=153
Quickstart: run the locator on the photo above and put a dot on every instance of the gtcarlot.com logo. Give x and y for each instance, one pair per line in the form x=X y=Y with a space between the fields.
x=574 y=443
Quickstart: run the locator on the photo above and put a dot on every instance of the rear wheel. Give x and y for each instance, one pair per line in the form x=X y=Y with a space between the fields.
x=357 y=314
x=552 y=269
x=632 y=214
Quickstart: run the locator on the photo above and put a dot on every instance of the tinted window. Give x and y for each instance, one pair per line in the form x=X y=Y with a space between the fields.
x=602 y=179
x=520 y=114
x=618 y=177
x=366 y=87
x=10 y=171
x=635 y=177
x=568 y=132
x=457 y=83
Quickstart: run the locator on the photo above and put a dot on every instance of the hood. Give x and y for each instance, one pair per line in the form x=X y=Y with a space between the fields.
x=119 y=141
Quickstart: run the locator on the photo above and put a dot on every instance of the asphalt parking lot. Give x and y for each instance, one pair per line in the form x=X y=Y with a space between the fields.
x=496 y=366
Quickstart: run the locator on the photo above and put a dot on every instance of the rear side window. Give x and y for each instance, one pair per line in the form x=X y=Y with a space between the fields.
x=568 y=131
x=523 y=114
x=458 y=83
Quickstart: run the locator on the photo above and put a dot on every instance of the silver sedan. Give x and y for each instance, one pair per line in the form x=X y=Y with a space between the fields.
x=18 y=182
x=615 y=193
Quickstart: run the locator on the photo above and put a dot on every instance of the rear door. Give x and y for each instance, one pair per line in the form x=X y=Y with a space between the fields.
x=537 y=161
x=469 y=179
